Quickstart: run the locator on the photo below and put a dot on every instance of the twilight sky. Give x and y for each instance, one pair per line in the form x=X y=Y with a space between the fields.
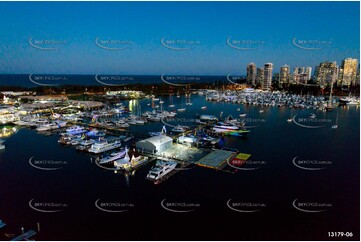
x=125 y=37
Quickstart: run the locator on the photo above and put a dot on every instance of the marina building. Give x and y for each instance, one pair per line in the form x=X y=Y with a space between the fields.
x=154 y=145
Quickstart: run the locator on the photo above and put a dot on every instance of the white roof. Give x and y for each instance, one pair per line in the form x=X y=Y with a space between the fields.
x=159 y=139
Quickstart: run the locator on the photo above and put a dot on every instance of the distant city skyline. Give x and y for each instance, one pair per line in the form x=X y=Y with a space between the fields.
x=178 y=38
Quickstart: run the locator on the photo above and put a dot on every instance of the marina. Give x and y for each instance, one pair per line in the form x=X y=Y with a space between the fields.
x=105 y=132
x=180 y=121
x=214 y=145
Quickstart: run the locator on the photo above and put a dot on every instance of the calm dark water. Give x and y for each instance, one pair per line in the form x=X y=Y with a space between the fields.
x=275 y=184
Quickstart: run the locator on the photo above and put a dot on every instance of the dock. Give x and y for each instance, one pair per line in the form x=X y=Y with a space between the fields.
x=217 y=159
x=25 y=236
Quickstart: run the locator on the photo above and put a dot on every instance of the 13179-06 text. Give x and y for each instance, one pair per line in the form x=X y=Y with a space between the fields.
x=340 y=234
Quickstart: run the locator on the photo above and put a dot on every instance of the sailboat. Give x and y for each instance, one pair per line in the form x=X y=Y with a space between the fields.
x=335 y=126
x=204 y=106
x=182 y=109
x=171 y=105
x=330 y=106
x=161 y=100
x=290 y=118
x=189 y=100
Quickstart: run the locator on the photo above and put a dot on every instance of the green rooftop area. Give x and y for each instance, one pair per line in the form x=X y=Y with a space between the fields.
x=216 y=159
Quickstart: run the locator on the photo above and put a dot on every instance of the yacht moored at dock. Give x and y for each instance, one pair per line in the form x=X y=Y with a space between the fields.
x=161 y=169
x=104 y=145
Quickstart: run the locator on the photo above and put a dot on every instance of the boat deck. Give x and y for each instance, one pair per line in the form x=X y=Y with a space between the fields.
x=217 y=159
x=173 y=172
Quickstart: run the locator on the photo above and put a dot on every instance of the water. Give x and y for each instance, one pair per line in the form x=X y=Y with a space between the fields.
x=271 y=188
x=27 y=81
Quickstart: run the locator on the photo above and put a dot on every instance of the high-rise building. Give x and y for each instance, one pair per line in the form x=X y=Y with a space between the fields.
x=301 y=74
x=284 y=77
x=251 y=74
x=339 y=76
x=260 y=76
x=296 y=70
x=267 y=81
x=309 y=73
x=326 y=72
x=349 y=71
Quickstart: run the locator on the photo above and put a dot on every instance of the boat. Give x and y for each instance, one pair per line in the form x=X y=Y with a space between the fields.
x=113 y=156
x=242 y=115
x=223 y=127
x=95 y=133
x=75 y=130
x=138 y=161
x=82 y=147
x=51 y=126
x=207 y=118
x=87 y=142
x=329 y=107
x=349 y=100
x=182 y=109
x=46 y=127
x=131 y=162
x=122 y=125
x=154 y=133
x=2 y=147
x=204 y=107
x=122 y=163
x=290 y=119
x=261 y=111
x=353 y=101
x=236 y=132
x=161 y=169
x=312 y=115
x=178 y=129
x=335 y=126
x=103 y=145
x=171 y=105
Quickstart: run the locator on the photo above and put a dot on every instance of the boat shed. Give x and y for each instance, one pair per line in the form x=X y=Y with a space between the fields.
x=155 y=144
